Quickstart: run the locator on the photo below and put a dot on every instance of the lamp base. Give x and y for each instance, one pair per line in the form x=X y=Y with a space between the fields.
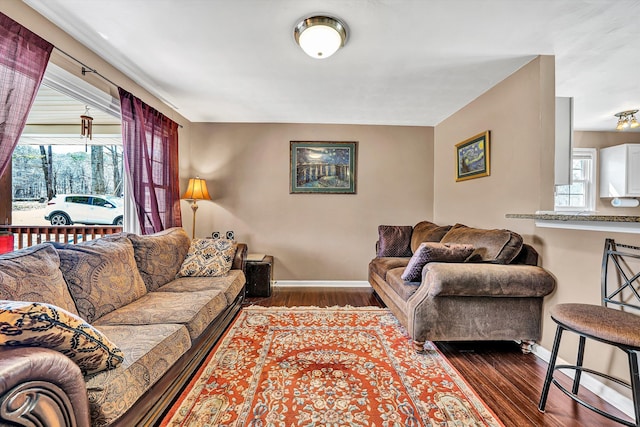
x=194 y=206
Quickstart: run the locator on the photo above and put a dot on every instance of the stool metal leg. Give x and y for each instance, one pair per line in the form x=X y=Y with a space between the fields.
x=634 y=372
x=550 y=369
x=576 y=379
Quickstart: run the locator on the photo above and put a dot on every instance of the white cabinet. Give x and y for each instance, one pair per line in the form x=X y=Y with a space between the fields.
x=620 y=171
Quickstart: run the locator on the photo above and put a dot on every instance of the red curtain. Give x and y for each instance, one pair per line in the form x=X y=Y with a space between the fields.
x=150 y=143
x=23 y=58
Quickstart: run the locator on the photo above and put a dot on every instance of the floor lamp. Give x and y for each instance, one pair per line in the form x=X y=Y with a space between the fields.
x=196 y=190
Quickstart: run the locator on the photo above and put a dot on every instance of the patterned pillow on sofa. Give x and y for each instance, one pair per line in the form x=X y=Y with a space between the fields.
x=209 y=258
x=33 y=324
x=160 y=255
x=33 y=274
x=101 y=275
x=434 y=252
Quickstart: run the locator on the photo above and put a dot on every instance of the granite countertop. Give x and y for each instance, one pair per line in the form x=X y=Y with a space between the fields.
x=558 y=216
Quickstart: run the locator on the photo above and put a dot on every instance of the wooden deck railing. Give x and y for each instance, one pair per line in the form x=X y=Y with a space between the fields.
x=27 y=235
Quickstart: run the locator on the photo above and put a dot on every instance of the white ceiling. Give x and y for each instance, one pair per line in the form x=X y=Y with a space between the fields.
x=407 y=62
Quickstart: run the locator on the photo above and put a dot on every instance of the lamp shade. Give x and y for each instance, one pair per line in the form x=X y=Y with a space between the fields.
x=197 y=190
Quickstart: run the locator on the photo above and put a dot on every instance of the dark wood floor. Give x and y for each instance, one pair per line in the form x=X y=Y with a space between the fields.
x=508 y=381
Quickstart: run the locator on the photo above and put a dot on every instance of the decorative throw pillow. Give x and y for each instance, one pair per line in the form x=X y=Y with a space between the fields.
x=102 y=275
x=33 y=274
x=394 y=240
x=32 y=324
x=160 y=255
x=434 y=252
x=208 y=258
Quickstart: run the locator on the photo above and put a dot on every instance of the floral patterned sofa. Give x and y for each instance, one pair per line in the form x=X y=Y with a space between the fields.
x=459 y=283
x=107 y=332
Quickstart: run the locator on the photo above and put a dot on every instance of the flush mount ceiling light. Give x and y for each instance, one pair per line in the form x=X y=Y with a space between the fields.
x=627 y=120
x=320 y=36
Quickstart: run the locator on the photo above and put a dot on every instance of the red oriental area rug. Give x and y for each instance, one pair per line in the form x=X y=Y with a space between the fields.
x=308 y=366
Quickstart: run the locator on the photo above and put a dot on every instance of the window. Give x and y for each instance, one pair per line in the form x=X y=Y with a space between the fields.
x=52 y=159
x=78 y=199
x=580 y=195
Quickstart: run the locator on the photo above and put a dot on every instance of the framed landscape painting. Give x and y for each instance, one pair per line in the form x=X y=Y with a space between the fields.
x=323 y=167
x=472 y=157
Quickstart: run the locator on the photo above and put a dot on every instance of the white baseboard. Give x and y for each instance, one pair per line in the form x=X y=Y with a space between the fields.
x=591 y=383
x=323 y=283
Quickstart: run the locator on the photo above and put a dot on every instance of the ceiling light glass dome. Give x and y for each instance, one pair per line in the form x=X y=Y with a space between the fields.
x=320 y=36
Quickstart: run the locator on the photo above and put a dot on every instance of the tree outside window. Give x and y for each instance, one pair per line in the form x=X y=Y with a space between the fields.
x=41 y=172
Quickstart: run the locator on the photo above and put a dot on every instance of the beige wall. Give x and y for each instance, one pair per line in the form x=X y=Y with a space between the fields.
x=312 y=236
x=520 y=151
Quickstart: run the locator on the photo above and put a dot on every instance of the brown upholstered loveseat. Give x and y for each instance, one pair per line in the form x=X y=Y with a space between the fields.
x=494 y=293
x=125 y=287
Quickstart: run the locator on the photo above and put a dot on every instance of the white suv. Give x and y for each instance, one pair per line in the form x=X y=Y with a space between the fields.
x=67 y=209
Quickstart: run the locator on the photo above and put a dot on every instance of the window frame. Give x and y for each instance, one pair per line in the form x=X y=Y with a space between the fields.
x=61 y=80
x=590 y=154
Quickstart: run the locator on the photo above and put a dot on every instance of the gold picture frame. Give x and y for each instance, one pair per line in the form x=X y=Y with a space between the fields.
x=473 y=157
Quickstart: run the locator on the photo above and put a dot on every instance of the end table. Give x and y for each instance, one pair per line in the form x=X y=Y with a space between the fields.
x=259 y=277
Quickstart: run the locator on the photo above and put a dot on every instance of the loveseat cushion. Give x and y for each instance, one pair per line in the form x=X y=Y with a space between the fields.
x=149 y=352
x=434 y=252
x=195 y=310
x=208 y=258
x=500 y=246
x=160 y=255
x=426 y=231
x=394 y=240
x=400 y=286
x=230 y=284
x=32 y=324
x=102 y=275
x=33 y=274
x=382 y=265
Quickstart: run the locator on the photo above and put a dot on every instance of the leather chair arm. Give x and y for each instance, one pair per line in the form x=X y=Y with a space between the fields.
x=240 y=259
x=488 y=280
x=41 y=384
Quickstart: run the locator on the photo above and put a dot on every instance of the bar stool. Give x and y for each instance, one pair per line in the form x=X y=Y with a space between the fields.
x=618 y=327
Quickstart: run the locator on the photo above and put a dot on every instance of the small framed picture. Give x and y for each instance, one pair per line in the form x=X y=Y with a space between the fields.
x=472 y=157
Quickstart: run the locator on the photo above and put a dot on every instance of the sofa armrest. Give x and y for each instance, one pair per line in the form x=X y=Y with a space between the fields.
x=240 y=260
x=41 y=384
x=488 y=280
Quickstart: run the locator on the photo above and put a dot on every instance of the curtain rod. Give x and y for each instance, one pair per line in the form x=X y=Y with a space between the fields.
x=86 y=69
